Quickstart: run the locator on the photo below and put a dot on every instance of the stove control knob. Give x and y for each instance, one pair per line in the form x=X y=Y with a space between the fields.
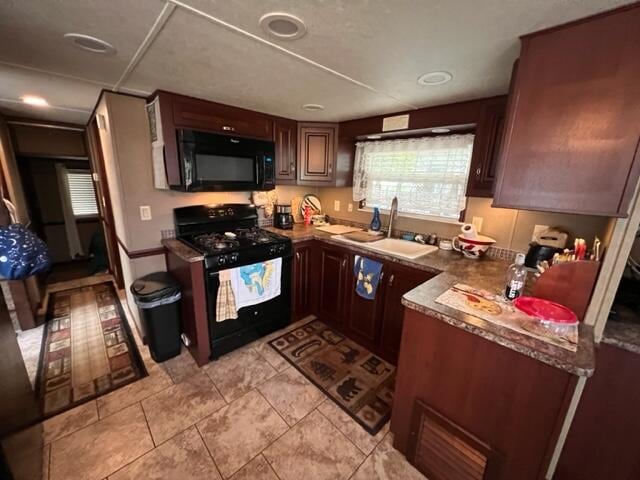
x=230 y=212
x=281 y=248
x=272 y=249
x=234 y=257
x=222 y=260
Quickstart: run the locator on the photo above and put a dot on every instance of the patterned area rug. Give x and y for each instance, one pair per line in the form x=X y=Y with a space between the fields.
x=354 y=378
x=87 y=349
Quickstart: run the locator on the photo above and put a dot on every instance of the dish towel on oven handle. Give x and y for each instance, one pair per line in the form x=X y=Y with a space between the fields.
x=226 y=299
x=257 y=283
x=367 y=272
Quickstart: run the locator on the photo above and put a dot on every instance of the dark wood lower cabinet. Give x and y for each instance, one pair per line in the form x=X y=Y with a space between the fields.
x=332 y=285
x=509 y=403
x=603 y=441
x=304 y=286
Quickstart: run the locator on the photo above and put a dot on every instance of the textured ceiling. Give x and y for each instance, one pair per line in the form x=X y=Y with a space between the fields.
x=358 y=58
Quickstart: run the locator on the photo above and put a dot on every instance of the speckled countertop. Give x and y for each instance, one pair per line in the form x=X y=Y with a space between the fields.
x=183 y=251
x=625 y=335
x=487 y=274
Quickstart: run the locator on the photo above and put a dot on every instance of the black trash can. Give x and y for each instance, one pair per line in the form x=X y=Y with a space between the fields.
x=158 y=297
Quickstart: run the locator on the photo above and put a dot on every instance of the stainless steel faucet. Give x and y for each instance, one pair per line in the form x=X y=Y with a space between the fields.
x=393 y=214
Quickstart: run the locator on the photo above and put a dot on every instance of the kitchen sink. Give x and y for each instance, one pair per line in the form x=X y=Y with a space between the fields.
x=393 y=246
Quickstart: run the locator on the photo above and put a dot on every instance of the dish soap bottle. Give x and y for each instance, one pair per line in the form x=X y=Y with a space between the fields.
x=516 y=276
x=375 y=221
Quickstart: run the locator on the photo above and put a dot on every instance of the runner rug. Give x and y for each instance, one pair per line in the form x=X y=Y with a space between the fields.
x=358 y=381
x=87 y=349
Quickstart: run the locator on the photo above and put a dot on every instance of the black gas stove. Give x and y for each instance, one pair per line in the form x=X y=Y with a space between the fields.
x=229 y=237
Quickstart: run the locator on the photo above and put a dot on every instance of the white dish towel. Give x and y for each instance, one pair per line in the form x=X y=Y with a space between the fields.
x=257 y=283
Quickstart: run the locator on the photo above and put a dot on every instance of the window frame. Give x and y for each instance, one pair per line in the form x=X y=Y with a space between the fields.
x=87 y=216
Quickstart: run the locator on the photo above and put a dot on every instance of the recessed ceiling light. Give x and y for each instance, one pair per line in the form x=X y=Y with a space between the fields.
x=89 y=43
x=312 y=107
x=374 y=137
x=440 y=130
x=283 y=26
x=34 y=100
x=434 y=78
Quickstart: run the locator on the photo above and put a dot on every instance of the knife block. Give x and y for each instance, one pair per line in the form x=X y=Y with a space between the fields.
x=570 y=284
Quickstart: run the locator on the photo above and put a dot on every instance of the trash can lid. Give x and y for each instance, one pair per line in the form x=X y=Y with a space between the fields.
x=155 y=286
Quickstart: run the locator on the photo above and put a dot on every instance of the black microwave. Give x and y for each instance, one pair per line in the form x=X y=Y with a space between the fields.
x=220 y=163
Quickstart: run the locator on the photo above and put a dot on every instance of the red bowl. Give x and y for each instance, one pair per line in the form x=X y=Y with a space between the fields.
x=546 y=310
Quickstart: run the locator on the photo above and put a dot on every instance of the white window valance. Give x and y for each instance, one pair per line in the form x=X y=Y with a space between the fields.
x=428 y=175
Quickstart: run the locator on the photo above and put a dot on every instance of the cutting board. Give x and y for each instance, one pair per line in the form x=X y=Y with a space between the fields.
x=338 y=229
x=363 y=237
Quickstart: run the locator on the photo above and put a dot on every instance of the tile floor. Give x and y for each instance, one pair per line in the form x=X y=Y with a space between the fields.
x=249 y=415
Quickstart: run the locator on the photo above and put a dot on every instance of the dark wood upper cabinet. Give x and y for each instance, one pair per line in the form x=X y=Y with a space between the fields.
x=285 y=136
x=304 y=280
x=571 y=135
x=486 y=146
x=316 y=153
x=399 y=280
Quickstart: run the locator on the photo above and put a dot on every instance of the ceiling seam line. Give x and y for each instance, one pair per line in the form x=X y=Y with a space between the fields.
x=69 y=77
x=153 y=32
x=56 y=107
x=302 y=58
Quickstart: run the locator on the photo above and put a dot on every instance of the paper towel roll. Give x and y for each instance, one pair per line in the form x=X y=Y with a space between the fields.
x=469 y=231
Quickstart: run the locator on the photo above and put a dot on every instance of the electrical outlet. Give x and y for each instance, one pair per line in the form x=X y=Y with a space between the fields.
x=350 y=207
x=477 y=222
x=336 y=205
x=145 y=213
x=537 y=230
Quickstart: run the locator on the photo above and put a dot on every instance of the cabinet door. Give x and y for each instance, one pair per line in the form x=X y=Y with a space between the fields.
x=571 y=142
x=399 y=280
x=201 y=114
x=286 y=134
x=362 y=318
x=486 y=147
x=303 y=285
x=332 y=284
x=316 y=152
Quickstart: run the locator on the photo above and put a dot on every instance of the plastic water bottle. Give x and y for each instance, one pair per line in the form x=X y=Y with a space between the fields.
x=516 y=276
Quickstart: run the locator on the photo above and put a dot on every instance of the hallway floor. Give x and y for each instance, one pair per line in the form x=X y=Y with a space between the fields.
x=250 y=415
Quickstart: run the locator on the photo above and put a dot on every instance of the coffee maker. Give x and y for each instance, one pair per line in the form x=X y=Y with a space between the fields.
x=544 y=246
x=283 y=218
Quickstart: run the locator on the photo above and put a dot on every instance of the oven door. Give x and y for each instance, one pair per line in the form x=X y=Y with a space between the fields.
x=221 y=163
x=254 y=321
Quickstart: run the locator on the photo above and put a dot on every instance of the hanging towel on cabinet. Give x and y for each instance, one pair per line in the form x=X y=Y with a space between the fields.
x=367 y=272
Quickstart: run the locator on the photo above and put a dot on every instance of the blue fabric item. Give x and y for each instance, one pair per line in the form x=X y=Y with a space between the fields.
x=22 y=254
x=367 y=272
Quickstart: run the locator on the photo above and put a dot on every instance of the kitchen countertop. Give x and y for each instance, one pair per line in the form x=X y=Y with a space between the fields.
x=183 y=251
x=625 y=335
x=487 y=274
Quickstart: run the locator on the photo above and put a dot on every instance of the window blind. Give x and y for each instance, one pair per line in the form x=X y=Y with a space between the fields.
x=428 y=175
x=81 y=193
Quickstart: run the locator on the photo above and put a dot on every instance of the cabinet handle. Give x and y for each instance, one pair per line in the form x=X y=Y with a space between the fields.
x=344 y=263
x=381 y=275
x=293 y=166
x=228 y=128
x=298 y=256
x=391 y=280
x=478 y=170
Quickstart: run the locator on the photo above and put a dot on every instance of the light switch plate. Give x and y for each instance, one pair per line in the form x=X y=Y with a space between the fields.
x=336 y=205
x=145 y=213
x=350 y=207
x=537 y=230
x=477 y=222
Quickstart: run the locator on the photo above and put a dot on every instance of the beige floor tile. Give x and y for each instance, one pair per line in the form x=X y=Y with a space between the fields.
x=256 y=469
x=352 y=430
x=238 y=372
x=238 y=432
x=184 y=457
x=180 y=406
x=386 y=463
x=292 y=395
x=69 y=421
x=101 y=448
x=276 y=360
x=313 y=448
x=156 y=381
x=181 y=367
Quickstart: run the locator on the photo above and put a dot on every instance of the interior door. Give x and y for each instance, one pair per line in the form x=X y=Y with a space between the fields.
x=104 y=201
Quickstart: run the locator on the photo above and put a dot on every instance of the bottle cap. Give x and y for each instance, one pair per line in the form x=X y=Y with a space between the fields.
x=520 y=259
